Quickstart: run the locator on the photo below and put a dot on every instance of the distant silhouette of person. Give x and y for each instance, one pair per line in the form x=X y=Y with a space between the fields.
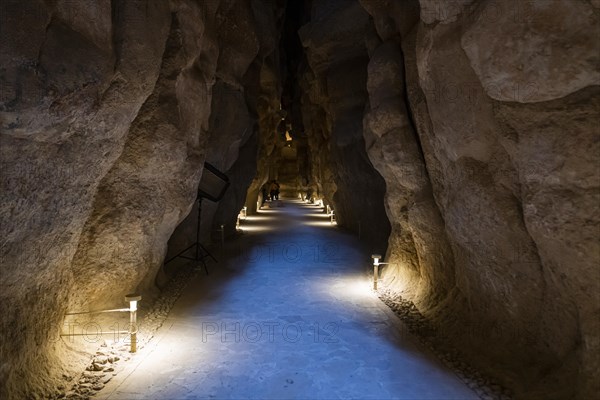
x=276 y=190
x=265 y=195
x=272 y=189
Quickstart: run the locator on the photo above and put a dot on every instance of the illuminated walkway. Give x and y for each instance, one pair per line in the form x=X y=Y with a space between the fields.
x=288 y=315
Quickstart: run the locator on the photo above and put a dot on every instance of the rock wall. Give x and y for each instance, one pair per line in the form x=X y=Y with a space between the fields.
x=336 y=42
x=246 y=89
x=481 y=121
x=479 y=116
x=106 y=121
x=72 y=91
x=461 y=135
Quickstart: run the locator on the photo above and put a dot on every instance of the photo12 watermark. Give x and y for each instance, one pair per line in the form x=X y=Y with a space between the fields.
x=269 y=332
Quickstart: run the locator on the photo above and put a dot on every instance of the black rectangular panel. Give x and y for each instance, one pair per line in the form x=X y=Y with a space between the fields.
x=213 y=183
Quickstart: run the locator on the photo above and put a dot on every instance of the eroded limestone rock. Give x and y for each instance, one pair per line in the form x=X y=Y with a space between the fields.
x=477 y=120
x=105 y=126
x=534 y=51
x=337 y=41
x=510 y=182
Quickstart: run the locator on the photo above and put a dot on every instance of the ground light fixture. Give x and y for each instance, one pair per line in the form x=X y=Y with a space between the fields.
x=376 y=264
x=133 y=329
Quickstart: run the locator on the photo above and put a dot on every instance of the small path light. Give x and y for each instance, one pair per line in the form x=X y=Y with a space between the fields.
x=376 y=258
x=222 y=236
x=376 y=264
x=133 y=299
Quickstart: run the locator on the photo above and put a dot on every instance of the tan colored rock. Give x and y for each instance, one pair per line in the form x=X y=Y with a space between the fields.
x=511 y=182
x=443 y=11
x=90 y=18
x=245 y=78
x=133 y=217
x=393 y=18
x=335 y=34
x=59 y=139
x=477 y=120
x=105 y=123
x=561 y=196
x=534 y=51
x=420 y=255
x=337 y=41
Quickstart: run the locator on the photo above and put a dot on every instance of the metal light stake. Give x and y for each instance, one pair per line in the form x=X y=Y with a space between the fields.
x=133 y=299
x=376 y=264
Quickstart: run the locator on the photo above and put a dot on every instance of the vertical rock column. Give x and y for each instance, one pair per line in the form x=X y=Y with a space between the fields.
x=336 y=42
x=152 y=185
x=70 y=90
x=501 y=95
x=420 y=257
x=106 y=123
x=244 y=82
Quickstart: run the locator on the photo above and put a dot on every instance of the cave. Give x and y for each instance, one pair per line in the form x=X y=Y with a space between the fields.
x=408 y=199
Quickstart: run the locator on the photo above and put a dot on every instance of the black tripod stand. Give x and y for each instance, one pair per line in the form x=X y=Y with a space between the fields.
x=201 y=251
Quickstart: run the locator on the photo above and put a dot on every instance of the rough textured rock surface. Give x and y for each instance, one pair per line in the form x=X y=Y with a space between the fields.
x=72 y=95
x=421 y=255
x=246 y=78
x=494 y=203
x=461 y=135
x=535 y=51
x=106 y=121
x=337 y=39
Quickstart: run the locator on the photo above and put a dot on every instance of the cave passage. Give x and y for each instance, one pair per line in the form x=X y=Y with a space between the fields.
x=288 y=314
x=459 y=140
